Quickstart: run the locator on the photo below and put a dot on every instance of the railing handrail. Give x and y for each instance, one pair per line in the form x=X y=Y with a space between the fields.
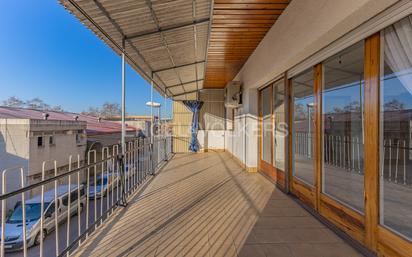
x=128 y=170
x=54 y=178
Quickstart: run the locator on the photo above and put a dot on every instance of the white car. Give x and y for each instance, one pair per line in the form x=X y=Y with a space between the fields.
x=102 y=185
x=14 y=222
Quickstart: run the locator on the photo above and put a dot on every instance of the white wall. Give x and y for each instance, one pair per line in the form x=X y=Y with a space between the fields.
x=14 y=154
x=305 y=27
x=64 y=133
x=241 y=141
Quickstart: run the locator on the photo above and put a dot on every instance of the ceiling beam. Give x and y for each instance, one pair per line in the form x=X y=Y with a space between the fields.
x=160 y=30
x=178 y=66
x=186 y=93
x=182 y=84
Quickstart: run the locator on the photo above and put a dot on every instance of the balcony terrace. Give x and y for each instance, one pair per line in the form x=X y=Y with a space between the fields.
x=302 y=114
x=208 y=205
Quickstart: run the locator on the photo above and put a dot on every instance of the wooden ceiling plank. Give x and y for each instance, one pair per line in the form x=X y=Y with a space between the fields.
x=238 y=27
x=258 y=6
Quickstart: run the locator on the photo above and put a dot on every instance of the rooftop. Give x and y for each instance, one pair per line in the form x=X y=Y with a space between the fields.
x=94 y=124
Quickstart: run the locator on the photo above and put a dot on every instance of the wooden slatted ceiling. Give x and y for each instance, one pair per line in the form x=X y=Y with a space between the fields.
x=238 y=27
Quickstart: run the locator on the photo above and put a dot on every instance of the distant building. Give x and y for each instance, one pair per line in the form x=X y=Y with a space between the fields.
x=141 y=122
x=28 y=137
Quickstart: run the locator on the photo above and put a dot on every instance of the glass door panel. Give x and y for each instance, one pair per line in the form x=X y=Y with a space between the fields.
x=396 y=129
x=266 y=112
x=342 y=119
x=280 y=128
x=303 y=127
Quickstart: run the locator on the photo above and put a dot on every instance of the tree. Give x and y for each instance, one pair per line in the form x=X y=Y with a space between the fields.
x=13 y=102
x=350 y=107
x=92 y=111
x=57 y=108
x=301 y=112
x=38 y=104
x=110 y=109
x=394 y=105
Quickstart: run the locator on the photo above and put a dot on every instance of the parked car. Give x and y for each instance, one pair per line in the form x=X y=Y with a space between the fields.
x=102 y=185
x=14 y=222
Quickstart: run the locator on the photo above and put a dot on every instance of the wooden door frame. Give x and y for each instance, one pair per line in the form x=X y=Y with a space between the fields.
x=303 y=191
x=364 y=228
x=280 y=174
x=276 y=175
x=266 y=168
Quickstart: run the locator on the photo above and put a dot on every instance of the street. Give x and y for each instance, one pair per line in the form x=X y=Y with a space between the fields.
x=49 y=245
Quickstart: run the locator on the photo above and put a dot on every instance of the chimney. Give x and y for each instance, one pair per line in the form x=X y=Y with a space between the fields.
x=99 y=119
x=45 y=116
x=76 y=117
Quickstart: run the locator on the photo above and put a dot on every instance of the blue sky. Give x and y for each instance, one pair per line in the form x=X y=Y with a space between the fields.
x=46 y=52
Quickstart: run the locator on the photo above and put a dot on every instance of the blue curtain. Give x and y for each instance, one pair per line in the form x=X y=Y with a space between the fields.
x=195 y=107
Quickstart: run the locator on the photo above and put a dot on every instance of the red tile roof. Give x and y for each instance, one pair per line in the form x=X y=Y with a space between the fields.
x=94 y=126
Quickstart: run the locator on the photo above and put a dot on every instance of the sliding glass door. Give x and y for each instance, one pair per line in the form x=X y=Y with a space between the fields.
x=303 y=128
x=343 y=129
x=266 y=127
x=396 y=129
x=273 y=131
x=280 y=128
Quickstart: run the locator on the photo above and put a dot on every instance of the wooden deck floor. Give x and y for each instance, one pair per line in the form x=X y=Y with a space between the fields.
x=207 y=205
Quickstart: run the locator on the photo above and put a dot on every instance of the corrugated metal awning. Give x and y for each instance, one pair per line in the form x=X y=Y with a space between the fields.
x=161 y=37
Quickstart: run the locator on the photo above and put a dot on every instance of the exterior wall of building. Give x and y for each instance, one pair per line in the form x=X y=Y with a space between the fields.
x=14 y=153
x=182 y=119
x=143 y=124
x=305 y=27
x=64 y=143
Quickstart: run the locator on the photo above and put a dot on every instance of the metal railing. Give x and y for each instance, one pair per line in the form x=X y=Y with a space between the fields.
x=78 y=200
x=346 y=153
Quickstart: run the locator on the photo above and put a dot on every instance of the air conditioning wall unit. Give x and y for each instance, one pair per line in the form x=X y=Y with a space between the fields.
x=233 y=94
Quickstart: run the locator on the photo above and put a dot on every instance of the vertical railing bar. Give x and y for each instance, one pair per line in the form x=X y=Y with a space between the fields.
x=57 y=210
x=109 y=180
x=342 y=152
x=78 y=200
x=102 y=189
x=95 y=191
x=390 y=160
x=42 y=209
x=3 y=211
x=88 y=190
x=116 y=147
x=353 y=154
x=397 y=162
x=69 y=205
x=383 y=159
x=359 y=158
x=404 y=162
x=23 y=207
x=115 y=178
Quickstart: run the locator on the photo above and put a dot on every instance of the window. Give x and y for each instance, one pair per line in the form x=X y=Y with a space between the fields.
x=396 y=128
x=78 y=139
x=342 y=119
x=266 y=125
x=279 y=122
x=51 y=141
x=303 y=127
x=50 y=210
x=65 y=200
x=40 y=141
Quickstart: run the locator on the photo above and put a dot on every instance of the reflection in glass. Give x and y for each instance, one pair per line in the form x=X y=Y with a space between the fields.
x=303 y=126
x=266 y=125
x=279 y=130
x=396 y=129
x=342 y=119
